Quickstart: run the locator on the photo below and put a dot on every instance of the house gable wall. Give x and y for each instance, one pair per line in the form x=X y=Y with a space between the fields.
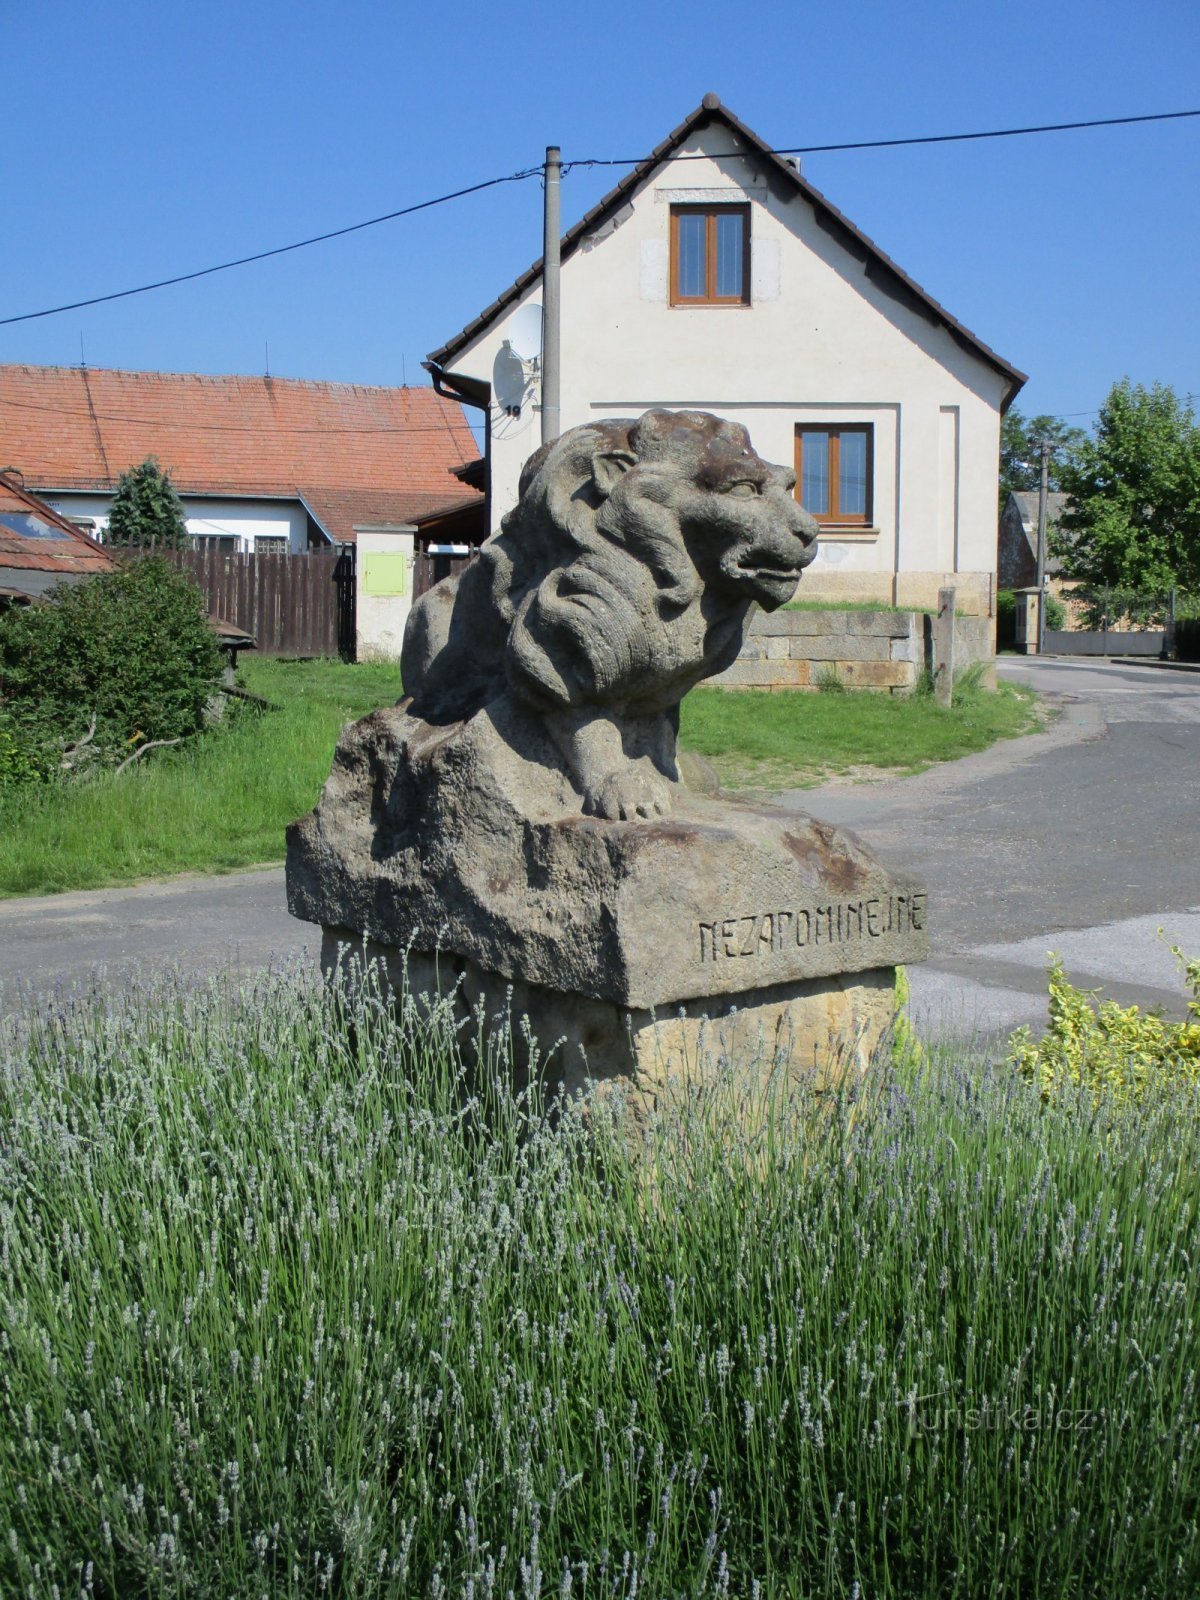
x=828 y=337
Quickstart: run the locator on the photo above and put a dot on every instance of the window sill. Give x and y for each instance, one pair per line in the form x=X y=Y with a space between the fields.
x=838 y=530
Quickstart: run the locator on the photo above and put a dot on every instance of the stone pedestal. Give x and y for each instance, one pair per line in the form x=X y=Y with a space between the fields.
x=638 y=950
x=822 y=1028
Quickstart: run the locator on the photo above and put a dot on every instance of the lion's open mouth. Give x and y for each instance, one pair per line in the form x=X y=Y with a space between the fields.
x=758 y=570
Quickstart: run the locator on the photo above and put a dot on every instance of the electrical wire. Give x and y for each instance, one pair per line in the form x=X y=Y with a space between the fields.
x=595 y=161
x=279 y=250
x=264 y=429
x=894 y=144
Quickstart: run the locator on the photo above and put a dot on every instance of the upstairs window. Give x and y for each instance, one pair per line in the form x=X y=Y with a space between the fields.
x=710 y=255
x=834 y=472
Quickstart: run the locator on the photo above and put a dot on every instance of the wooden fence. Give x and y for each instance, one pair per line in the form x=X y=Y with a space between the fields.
x=294 y=605
x=428 y=570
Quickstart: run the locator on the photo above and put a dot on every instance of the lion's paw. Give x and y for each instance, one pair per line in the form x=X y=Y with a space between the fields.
x=626 y=796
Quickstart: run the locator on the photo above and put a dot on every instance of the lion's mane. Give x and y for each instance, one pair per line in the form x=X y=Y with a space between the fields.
x=582 y=597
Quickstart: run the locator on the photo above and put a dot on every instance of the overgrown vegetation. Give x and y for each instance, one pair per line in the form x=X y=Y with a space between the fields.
x=208 y=805
x=221 y=802
x=1133 y=519
x=1021 y=440
x=1100 y=1046
x=102 y=670
x=281 y=1312
x=146 y=511
x=764 y=742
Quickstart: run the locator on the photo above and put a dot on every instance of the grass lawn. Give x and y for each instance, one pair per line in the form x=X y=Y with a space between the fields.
x=220 y=804
x=223 y=803
x=762 y=743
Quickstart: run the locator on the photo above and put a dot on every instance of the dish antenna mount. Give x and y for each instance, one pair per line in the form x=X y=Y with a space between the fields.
x=518 y=360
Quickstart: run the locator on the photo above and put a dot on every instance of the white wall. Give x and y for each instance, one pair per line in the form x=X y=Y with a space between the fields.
x=246 y=519
x=819 y=342
x=384 y=578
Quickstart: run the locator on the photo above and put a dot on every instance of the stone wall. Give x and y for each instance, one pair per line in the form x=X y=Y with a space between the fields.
x=884 y=650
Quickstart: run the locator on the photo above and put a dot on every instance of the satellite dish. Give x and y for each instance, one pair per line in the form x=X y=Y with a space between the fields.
x=509 y=381
x=525 y=332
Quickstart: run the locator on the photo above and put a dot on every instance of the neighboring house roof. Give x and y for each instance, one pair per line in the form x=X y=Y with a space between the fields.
x=880 y=267
x=38 y=547
x=462 y=523
x=347 y=449
x=1026 y=501
x=1027 y=504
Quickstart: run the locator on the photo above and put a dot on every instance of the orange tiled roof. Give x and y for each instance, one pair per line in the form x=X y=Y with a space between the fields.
x=80 y=428
x=34 y=538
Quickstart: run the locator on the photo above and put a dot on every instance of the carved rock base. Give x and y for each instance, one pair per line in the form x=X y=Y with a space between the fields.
x=825 y=1028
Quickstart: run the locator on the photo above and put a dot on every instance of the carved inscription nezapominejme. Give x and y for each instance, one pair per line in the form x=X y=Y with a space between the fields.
x=767 y=933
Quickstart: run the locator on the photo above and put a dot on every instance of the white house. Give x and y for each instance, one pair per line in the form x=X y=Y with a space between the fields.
x=262 y=464
x=715 y=276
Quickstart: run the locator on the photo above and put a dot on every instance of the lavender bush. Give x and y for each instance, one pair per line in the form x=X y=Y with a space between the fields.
x=285 y=1310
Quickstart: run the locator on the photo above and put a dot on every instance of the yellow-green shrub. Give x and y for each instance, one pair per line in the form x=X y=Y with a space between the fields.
x=1122 y=1050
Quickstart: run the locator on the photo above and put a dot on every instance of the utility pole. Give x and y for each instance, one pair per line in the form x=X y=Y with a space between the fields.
x=1041 y=548
x=550 y=295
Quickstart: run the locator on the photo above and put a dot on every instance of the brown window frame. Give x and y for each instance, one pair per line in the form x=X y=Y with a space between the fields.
x=834 y=517
x=710 y=296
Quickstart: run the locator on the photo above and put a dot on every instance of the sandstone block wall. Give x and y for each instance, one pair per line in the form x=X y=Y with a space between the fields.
x=881 y=650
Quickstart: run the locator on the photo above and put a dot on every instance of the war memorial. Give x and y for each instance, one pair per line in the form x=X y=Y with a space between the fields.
x=517 y=833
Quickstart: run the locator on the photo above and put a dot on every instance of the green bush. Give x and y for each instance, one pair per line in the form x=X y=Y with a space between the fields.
x=131 y=649
x=29 y=752
x=146 y=510
x=1110 y=1049
x=1056 y=612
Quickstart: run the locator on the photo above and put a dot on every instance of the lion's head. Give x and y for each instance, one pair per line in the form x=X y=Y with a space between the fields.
x=622 y=577
x=681 y=492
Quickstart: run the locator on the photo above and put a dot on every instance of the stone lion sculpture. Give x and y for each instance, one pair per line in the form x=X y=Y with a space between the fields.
x=624 y=575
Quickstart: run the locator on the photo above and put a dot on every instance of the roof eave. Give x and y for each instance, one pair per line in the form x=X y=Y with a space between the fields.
x=702 y=116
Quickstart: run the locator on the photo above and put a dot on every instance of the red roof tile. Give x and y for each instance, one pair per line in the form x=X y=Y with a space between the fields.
x=80 y=428
x=34 y=538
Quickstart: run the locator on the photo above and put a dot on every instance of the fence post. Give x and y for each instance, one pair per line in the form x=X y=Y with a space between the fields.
x=943 y=648
x=1104 y=637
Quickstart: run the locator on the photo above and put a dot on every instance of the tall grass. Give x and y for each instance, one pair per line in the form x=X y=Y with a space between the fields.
x=284 y=1311
x=219 y=802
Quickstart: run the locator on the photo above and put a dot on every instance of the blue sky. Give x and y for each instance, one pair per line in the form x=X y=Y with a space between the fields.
x=142 y=140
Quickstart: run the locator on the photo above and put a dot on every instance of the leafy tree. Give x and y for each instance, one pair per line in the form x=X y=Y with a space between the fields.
x=1133 y=517
x=1020 y=450
x=146 y=510
x=128 y=654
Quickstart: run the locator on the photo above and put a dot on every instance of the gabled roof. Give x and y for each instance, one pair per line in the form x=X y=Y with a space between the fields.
x=34 y=538
x=73 y=428
x=1027 y=505
x=711 y=112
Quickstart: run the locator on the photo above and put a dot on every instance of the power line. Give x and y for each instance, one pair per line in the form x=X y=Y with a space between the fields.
x=893 y=144
x=266 y=428
x=279 y=250
x=596 y=161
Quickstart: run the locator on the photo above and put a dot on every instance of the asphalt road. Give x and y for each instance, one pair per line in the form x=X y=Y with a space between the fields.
x=1081 y=839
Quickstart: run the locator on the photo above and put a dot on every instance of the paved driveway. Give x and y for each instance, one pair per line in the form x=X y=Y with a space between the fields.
x=1082 y=839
